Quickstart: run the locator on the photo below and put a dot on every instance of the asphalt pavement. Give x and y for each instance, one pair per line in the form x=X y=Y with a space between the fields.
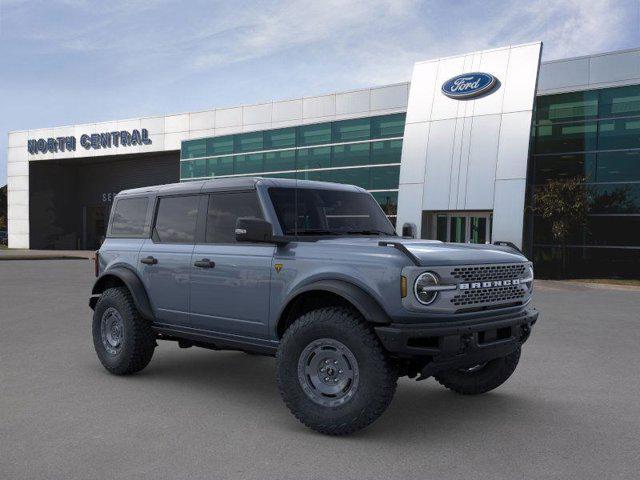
x=571 y=410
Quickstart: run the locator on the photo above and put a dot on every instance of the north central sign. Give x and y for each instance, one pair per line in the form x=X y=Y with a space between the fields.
x=469 y=85
x=93 y=141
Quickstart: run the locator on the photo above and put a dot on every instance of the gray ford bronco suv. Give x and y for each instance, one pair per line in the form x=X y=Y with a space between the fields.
x=313 y=274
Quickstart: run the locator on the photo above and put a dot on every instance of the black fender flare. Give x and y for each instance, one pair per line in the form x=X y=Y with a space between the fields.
x=131 y=281
x=368 y=307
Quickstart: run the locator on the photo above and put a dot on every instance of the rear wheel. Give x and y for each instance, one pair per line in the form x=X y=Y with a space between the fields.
x=480 y=378
x=123 y=340
x=333 y=374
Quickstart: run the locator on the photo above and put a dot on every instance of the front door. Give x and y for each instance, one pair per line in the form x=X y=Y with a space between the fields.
x=165 y=259
x=230 y=281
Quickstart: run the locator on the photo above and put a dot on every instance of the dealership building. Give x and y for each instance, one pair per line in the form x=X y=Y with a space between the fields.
x=459 y=153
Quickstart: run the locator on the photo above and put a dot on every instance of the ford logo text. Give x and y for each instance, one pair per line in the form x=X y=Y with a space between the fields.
x=469 y=85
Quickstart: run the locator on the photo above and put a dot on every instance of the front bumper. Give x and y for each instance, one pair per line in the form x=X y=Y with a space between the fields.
x=447 y=346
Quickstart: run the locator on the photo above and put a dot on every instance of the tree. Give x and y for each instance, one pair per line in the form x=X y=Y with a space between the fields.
x=3 y=208
x=565 y=204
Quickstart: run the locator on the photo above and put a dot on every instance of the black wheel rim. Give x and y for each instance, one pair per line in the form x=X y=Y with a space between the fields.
x=328 y=372
x=111 y=330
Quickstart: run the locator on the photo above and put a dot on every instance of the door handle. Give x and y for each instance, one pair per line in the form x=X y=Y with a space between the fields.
x=149 y=260
x=204 y=263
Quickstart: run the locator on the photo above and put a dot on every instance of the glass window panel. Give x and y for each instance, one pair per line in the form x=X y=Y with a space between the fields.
x=457 y=232
x=280 y=138
x=388 y=201
x=248 y=142
x=388 y=151
x=618 y=198
x=348 y=155
x=220 y=166
x=129 y=217
x=176 y=219
x=319 y=176
x=316 y=134
x=616 y=134
x=351 y=176
x=566 y=138
x=220 y=145
x=318 y=157
x=276 y=161
x=478 y=229
x=441 y=228
x=612 y=230
x=388 y=126
x=618 y=167
x=553 y=167
x=383 y=178
x=566 y=107
x=280 y=175
x=224 y=209
x=186 y=170
x=352 y=130
x=194 y=148
x=250 y=163
x=620 y=102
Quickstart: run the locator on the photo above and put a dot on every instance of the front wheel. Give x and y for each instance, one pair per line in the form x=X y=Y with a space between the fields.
x=480 y=378
x=333 y=374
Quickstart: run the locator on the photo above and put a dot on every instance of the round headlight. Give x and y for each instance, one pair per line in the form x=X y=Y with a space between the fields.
x=422 y=290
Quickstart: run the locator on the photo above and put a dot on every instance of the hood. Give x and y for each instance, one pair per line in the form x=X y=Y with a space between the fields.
x=434 y=252
x=438 y=253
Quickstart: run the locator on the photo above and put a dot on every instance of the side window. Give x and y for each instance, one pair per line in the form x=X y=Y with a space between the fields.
x=176 y=219
x=128 y=219
x=224 y=210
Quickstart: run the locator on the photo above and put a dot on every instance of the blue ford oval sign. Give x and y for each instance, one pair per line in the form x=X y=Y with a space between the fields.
x=468 y=85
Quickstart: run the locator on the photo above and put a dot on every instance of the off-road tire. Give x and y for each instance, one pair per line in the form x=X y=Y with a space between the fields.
x=490 y=376
x=137 y=339
x=377 y=376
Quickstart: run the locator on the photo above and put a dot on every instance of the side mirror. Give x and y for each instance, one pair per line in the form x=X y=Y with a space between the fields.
x=249 y=229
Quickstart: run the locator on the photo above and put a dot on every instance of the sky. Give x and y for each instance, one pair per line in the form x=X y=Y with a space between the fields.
x=65 y=62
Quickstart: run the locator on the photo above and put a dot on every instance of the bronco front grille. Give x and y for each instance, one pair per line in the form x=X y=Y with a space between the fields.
x=492 y=295
x=482 y=273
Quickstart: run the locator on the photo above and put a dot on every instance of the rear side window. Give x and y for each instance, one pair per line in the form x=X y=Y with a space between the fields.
x=224 y=210
x=176 y=219
x=128 y=219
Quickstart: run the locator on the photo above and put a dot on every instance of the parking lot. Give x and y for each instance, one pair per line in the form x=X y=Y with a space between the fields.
x=571 y=410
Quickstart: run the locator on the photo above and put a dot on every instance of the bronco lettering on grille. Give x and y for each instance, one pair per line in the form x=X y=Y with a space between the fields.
x=493 y=283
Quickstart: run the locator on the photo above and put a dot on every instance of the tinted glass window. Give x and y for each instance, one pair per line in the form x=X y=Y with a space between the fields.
x=248 y=142
x=388 y=126
x=194 y=148
x=220 y=166
x=280 y=138
x=352 y=130
x=277 y=161
x=128 y=217
x=224 y=210
x=176 y=219
x=220 y=145
x=307 y=211
x=314 y=134
x=318 y=157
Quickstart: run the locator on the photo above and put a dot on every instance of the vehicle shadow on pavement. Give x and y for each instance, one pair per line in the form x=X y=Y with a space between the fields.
x=423 y=409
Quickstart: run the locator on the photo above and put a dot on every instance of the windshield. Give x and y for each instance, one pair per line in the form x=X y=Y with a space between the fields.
x=328 y=212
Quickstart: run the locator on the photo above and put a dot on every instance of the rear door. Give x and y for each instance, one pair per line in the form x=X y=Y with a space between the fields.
x=165 y=258
x=230 y=281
